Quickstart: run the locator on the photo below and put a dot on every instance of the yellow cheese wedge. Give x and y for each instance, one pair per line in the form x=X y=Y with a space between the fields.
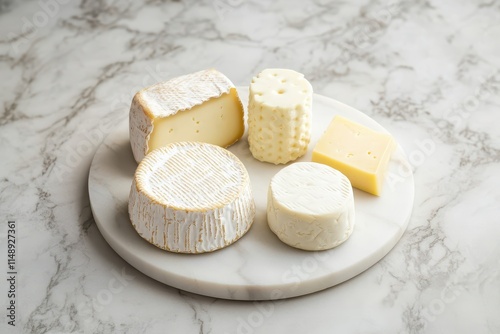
x=358 y=152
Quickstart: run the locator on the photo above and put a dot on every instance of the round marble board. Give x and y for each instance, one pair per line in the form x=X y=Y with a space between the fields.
x=258 y=266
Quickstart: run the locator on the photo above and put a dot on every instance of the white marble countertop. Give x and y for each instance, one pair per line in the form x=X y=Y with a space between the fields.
x=429 y=71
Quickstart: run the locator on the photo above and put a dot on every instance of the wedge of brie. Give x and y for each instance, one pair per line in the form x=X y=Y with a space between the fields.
x=202 y=106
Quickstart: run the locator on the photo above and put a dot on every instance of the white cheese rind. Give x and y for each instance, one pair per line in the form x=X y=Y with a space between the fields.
x=310 y=206
x=279 y=116
x=191 y=197
x=166 y=99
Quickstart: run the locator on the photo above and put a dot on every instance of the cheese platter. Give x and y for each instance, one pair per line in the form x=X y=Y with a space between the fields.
x=258 y=266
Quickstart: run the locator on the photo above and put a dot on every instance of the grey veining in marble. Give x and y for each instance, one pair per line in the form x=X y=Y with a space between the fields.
x=429 y=71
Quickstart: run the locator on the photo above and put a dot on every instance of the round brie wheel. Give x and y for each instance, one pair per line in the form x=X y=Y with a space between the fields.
x=191 y=197
x=310 y=206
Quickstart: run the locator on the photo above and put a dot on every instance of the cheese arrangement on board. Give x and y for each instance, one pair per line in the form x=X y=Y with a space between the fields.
x=258 y=264
x=310 y=206
x=357 y=151
x=191 y=197
x=279 y=115
x=203 y=106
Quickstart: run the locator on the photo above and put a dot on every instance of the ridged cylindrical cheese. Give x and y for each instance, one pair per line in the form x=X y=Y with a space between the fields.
x=191 y=197
x=279 y=116
x=310 y=206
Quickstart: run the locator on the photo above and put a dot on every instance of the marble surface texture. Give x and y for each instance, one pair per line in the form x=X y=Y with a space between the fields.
x=428 y=71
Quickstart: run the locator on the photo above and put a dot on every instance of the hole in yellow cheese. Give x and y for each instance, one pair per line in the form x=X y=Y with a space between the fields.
x=358 y=152
x=218 y=121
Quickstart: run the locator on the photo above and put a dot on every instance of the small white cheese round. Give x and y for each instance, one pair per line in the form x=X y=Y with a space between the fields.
x=310 y=206
x=279 y=115
x=191 y=197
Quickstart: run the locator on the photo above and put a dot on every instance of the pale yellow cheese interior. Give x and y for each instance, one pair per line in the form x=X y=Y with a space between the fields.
x=358 y=152
x=218 y=121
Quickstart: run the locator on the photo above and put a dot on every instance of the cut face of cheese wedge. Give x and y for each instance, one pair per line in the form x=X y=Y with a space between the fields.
x=191 y=197
x=360 y=153
x=203 y=106
x=310 y=206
